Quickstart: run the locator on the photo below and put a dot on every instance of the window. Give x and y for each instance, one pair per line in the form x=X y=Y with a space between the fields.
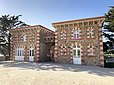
x=90 y=34
x=76 y=34
x=24 y=38
x=91 y=50
x=20 y=52
x=63 y=35
x=78 y=52
x=31 y=52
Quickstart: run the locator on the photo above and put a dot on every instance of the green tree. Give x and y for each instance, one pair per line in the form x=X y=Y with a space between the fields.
x=109 y=19
x=109 y=26
x=8 y=22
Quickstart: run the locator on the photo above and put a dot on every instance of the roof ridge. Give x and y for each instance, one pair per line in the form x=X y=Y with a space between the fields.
x=31 y=27
x=78 y=20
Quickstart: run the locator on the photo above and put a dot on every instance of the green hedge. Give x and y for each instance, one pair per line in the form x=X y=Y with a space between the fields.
x=109 y=65
x=108 y=56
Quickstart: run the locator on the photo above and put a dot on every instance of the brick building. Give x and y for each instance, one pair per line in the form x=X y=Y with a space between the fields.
x=79 y=41
x=75 y=42
x=32 y=44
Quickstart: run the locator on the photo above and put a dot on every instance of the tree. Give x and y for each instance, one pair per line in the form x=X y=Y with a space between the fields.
x=109 y=19
x=8 y=22
x=3 y=47
x=109 y=25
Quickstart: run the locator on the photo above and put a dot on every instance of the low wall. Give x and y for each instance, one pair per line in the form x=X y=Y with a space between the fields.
x=2 y=58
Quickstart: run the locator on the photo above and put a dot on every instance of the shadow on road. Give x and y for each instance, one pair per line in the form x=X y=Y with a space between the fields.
x=59 y=67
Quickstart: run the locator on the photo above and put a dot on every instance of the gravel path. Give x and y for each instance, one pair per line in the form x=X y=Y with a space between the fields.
x=24 y=73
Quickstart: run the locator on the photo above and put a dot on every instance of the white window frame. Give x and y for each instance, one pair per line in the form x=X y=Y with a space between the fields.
x=90 y=34
x=24 y=38
x=20 y=52
x=76 y=50
x=76 y=34
x=31 y=52
x=62 y=35
x=91 y=51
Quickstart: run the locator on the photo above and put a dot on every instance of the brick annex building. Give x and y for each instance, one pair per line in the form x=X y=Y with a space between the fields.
x=33 y=43
x=75 y=42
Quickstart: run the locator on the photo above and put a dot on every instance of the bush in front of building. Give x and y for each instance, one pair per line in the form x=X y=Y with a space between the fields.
x=109 y=60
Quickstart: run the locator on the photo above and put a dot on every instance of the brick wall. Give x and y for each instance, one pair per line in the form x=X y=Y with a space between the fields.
x=34 y=39
x=65 y=41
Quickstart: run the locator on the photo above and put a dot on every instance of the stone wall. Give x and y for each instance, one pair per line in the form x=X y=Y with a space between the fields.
x=2 y=58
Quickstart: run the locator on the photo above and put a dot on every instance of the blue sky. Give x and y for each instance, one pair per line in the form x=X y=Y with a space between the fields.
x=45 y=12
